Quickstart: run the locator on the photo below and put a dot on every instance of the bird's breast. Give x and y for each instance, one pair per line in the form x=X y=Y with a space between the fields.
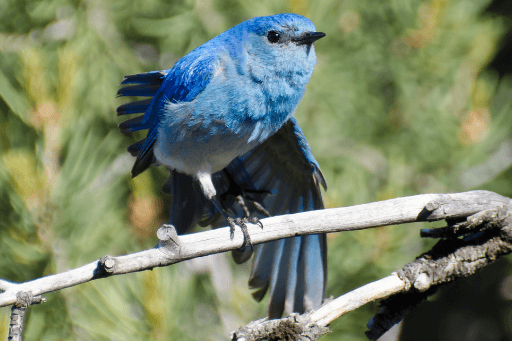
x=226 y=120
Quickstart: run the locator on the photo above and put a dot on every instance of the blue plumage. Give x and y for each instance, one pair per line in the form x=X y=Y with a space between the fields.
x=221 y=121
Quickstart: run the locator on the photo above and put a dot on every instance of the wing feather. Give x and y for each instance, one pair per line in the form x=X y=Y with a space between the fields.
x=182 y=83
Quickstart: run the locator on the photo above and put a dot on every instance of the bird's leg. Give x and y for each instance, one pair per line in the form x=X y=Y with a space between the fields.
x=243 y=197
x=205 y=180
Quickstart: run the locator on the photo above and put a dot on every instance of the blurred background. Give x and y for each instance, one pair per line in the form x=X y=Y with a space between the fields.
x=408 y=97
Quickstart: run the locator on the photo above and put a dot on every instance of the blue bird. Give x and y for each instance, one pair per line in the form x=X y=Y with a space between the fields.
x=221 y=121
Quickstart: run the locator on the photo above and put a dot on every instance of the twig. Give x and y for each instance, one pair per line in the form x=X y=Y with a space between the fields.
x=23 y=301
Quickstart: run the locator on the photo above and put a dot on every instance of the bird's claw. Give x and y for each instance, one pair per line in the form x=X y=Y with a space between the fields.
x=242 y=222
x=256 y=221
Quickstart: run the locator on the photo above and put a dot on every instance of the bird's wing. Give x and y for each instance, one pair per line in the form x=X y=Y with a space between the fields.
x=182 y=83
x=284 y=177
x=293 y=270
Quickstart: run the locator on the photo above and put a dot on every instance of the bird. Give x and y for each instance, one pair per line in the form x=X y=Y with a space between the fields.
x=221 y=121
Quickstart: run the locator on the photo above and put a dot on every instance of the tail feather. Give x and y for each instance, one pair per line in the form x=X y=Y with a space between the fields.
x=276 y=284
x=292 y=290
x=260 y=274
x=314 y=269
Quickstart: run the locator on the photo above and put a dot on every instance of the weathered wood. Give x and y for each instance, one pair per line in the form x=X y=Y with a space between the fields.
x=425 y=207
x=481 y=206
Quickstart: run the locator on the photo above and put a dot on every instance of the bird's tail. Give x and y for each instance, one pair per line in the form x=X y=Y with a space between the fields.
x=292 y=270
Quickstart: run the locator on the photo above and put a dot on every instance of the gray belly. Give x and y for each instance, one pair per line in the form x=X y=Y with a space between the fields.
x=189 y=154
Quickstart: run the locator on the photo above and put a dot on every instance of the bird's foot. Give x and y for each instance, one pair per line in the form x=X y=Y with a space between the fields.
x=242 y=222
x=243 y=200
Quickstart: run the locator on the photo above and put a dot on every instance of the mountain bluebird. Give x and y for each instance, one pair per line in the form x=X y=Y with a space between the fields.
x=221 y=121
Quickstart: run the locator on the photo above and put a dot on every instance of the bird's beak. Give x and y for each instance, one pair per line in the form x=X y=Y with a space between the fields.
x=308 y=38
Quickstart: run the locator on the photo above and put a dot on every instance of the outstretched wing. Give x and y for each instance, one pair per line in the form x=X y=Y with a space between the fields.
x=293 y=270
x=182 y=83
x=285 y=173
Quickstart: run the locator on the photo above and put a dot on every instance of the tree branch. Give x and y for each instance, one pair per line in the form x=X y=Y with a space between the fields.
x=311 y=325
x=488 y=237
x=173 y=249
x=4 y=285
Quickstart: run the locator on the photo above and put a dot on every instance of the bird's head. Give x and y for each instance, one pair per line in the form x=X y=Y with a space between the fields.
x=280 y=43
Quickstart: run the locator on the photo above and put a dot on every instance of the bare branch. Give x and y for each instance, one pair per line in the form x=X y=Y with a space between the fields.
x=489 y=236
x=4 y=285
x=311 y=325
x=173 y=249
x=354 y=299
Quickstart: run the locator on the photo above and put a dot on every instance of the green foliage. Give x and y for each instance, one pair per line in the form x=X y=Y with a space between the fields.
x=400 y=103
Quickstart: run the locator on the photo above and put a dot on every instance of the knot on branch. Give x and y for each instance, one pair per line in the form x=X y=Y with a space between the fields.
x=108 y=264
x=432 y=206
x=169 y=242
x=293 y=327
x=23 y=300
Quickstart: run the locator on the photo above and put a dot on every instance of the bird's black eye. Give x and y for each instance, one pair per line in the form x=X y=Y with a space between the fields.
x=273 y=36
